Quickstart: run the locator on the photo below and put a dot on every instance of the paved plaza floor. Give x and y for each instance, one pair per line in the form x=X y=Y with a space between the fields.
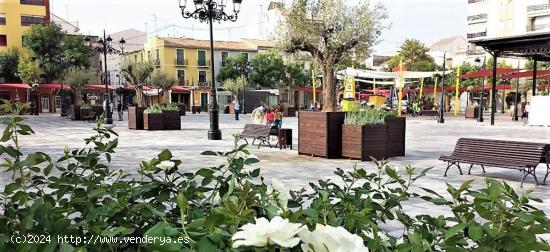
x=426 y=141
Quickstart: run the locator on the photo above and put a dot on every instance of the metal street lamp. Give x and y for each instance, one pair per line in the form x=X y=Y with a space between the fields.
x=104 y=47
x=210 y=11
x=480 y=117
x=441 y=118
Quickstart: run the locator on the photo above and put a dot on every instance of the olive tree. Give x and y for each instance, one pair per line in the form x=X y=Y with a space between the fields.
x=161 y=80
x=331 y=30
x=137 y=75
x=234 y=85
x=79 y=78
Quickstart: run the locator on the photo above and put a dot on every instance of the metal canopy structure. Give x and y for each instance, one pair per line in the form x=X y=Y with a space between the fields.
x=535 y=46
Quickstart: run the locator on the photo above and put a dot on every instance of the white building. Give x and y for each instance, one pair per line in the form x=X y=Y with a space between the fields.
x=501 y=18
x=135 y=40
x=270 y=19
x=453 y=48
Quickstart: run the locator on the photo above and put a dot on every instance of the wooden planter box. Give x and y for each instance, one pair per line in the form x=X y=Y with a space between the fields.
x=365 y=142
x=472 y=113
x=75 y=112
x=171 y=120
x=135 y=118
x=320 y=133
x=397 y=127
x=153 y=121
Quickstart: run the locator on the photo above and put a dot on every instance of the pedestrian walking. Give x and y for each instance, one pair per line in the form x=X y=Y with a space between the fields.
x=119 y=110
x=237 y=110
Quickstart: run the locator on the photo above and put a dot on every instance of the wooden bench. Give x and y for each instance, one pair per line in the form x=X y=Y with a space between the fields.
x=89 y=116
x=521 y=156
x=256 y=132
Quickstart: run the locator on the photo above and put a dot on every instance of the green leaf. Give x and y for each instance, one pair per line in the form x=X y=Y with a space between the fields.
x=163 y=231
x=214 y=220
x=66 y=248
x=475 y=232
x=454 y=230
x=165 y=155
x=11 y=188
x=209 y=153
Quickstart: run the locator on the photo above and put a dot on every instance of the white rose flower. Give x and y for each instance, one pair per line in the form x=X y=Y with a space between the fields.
x=283 y=194
x=278 y=231
x=166 y=165
x=331 y=239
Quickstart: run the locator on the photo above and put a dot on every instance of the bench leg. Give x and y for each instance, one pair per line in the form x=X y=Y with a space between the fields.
x=527 y=172
x=547 y=172
x=483 y=168
x=450 y=164
x=470 y=170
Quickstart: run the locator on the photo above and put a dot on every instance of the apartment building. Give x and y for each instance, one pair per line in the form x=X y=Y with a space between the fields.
x=501 y=18
x=16 y=16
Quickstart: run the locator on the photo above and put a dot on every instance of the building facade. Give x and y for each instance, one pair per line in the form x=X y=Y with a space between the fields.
x=16 y=16
x=453 y=48
x=501 y=18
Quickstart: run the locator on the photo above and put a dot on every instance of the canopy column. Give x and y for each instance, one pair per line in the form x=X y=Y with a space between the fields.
x=534 y=76
x=494 y=89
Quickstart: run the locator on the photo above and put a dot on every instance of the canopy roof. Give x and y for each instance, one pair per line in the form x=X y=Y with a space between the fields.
x=528 y=74
x=369 y=74
x=489 y=73
x=532 y=45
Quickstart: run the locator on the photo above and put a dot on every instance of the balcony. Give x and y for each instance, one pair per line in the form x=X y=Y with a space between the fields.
x=204 y=84
x=539 y=27
x=32 y=2
x=481 y=18
x=538 y=10
x=476 y=35
x=182 y=62
x=203 y=63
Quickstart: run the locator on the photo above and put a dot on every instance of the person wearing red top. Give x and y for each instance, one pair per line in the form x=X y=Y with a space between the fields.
x=269 y=117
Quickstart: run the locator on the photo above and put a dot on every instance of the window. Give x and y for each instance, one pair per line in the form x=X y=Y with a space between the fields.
x=2 y=19
x=157 y=61
x=202 y=58
x=32 y=2
x=3 y=40
x=149 y=56
x=245 y=55
x=181 y=76
x=202 y=76
x=180 y=56
x=135 y=58
x=30 y=20
x=224 y=58
x=141 y=56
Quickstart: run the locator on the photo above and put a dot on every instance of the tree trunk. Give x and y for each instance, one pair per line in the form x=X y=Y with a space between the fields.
x=139 y=96
x=329 y=88
x=78 y=98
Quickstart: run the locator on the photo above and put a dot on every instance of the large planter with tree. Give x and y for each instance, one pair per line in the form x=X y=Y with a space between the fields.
x=75 y=112
x=135 y=118
x=472 y=112
x=182 y=109
x=79 y=78
x=171 y=117
x=320 y=133
x=153 y=119
x=397 y=127
x=365 y=136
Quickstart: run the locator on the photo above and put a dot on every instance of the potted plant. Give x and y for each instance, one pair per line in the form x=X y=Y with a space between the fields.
x=153 y=119
x=85 y=110
x=320 y=133
x=365 y=135
x=137 y=74
x=79 y=79
x=472 y=111
x=397 y=127
x=171 y=117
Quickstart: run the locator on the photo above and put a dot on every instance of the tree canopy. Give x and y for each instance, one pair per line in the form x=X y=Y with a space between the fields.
x=234 y=85
x=161 y=80
x=295 y=75
x=55 y=51
x=415 y=57
x=268 y=70
x=9 y=60
x=137 y=73
x=29 y=71
x=235 y=67
x=79 y=78
x=330 y=30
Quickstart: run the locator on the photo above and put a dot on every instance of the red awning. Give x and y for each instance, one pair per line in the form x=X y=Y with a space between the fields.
x=309 y=90
x=180 y=90
x=527 y=74
x=488 y=73
x=100 y=87
x=14 y=86
x=53 y=86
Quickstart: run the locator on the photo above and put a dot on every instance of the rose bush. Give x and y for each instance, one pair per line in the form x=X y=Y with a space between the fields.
x=230 y=207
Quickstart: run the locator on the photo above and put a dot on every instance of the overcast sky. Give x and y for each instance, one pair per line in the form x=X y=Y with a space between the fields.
x=426 y=20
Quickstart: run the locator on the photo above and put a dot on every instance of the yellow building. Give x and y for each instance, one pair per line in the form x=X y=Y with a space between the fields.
x=188 y=61
x=16 y=16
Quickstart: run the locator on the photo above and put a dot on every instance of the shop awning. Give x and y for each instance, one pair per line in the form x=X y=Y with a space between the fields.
x=180 y=90
x=100 y=87
x=11 y=86
x=527 y=74
x=489 y=73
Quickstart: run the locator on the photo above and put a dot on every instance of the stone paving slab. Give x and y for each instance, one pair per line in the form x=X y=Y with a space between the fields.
x=426 y=141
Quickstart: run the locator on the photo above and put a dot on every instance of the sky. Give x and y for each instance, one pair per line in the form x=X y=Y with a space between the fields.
x=426 y=20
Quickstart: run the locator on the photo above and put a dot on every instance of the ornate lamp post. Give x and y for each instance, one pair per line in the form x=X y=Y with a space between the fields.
x=104 y=47
x=441 y=118
x=480 y=118
x=210 y=11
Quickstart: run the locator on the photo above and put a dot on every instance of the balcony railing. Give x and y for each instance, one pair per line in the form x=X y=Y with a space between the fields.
x=32 y=2
x=478 y=18
x=203 y=63
x=474 y=1
x=476 y=35
x=538 y=27
x=203 y=84
x=538 y=7
x=182 y=62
